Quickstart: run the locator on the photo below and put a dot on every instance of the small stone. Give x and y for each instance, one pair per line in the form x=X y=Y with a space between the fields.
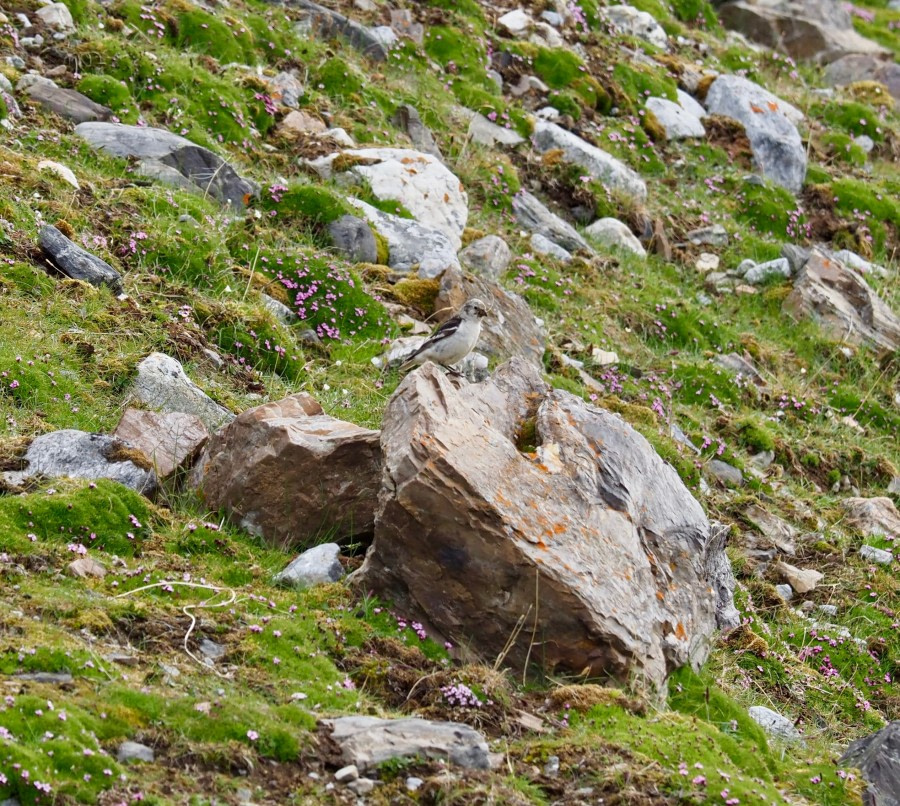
x=544 y=246
x=774 y=723
x=57 y=16
x=75 y=262
x=134 y=751
x=604 y=358
x=347 y=774
x=612 y=232
x=51 y=678
x=287 y=88
x=551 y=768
x=354 y=239
x=315 y=566
x=552 y=18
x=795 y=255
x=865 y=142
x=707 y=262
x=876 y=555
x=725 y=473
x=828 y=610
x=362 y=786
x=802 y=580
x=299 y=122
x=785 y=592
x=487 y=257
x=413 y=783
x=516 y=23
x=62 y=171
x=278 y=309
x=780 y=267
x=244 y=795
x=894 y=487
x=85 y=567
x=212 y=650
x=744 y=266
x=715 y=235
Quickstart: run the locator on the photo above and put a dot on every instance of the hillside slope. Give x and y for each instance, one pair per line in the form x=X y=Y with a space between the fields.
x=231 y=262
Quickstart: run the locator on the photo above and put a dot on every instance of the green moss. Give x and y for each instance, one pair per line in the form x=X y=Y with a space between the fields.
x=207 y=33
x=868 y=205
x=557 y=67
x=754 y=435
x=337 y=78
x=843 y=148
x=698 y=12
x=853 y=117
x=97 y=515
x=766 y=208
x=638 y=83
x=105 y=90
x=567 y=102
x=310 y=205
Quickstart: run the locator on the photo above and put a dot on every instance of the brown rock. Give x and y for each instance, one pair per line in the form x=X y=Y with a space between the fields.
x=170 y=440
x=587 y=554
x=300 y=123
x=289 y=472
x=843 y=304
x=779 y=533
x=802 y=580
x=873 y=516
x=510 y=328
x=85 y=567
x=816 y=30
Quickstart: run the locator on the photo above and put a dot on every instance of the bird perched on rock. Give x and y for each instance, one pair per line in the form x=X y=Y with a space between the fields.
x=453 y=340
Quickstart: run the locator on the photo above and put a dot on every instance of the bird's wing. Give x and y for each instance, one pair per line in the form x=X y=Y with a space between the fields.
x=445 y=331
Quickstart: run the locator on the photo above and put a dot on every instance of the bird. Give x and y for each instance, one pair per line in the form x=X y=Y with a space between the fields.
x=453 y=340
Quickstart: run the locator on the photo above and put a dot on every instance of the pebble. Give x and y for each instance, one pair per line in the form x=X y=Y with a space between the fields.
x=413 y=783
x=876 y=555
x=785 y=592
x=347 y=774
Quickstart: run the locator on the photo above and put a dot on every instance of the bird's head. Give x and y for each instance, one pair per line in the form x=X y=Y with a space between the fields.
x=474 y=309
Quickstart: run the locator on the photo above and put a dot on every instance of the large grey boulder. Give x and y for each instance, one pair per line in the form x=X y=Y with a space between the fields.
x=814 y=30
x=171 y=159
x=420 y=182
x=532 y=214
x=163 y=385
x=367 y=741
x=770 y=124
x=77 y=454
x=75 y=262
x=584 y=535
x=877 y=757
x=510 y=328
x=843 y=304
x=612 y=172
x=290 y=473
x=411 y=245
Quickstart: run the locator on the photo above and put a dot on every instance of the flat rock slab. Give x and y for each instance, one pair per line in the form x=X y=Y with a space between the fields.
x=770 y=124
x=163 y=385
x=367 y=741
x=612 y=172
x=843 y=304
x=468 y=525
x=290 y=473
x=420 y=182
x=774 y=724
x=172 y=159
x=677 y=122
x=328 y=24
x=77 y=454
x=877 y=757
x=75 y=262
x=68 y=104
x=170 y=440
x=612 y=233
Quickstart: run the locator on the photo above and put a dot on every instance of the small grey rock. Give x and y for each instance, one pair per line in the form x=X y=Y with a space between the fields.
x=785 y=592
x=544 y=246
x=212 y=650
x=726 y=473
x=780 y=267
x=715 y=235
x=362 y=786
x=828 y=610
x=134 y=751
x=744 y=266
x=317 y=565
x=774 y=723
x=413 y=783
x=354 y=239
x=611 y=232
x=51 y=678
x=75 y=262
x=876 y=555
x=347 y=774
x=795 y=255
x=278 y=309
